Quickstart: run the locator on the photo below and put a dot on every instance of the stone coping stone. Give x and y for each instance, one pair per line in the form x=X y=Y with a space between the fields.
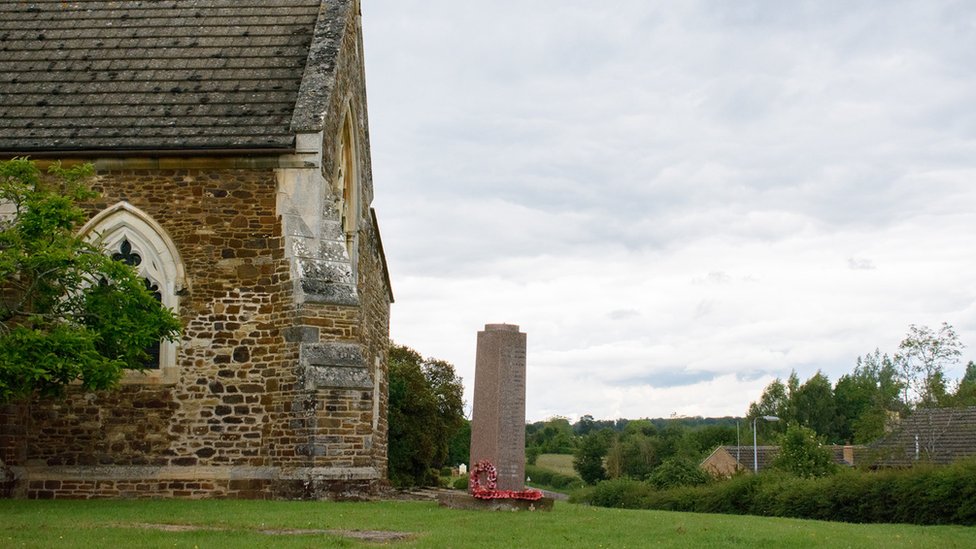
x=467 y=502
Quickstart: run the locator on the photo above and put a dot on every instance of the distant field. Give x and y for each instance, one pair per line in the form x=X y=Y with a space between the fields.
x=409 y=524
x=560 y=463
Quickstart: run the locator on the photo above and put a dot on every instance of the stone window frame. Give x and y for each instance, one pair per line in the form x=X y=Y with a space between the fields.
x=347 y=185
x=161 y=264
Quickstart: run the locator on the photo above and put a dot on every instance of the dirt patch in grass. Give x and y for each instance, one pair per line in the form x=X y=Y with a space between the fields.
x=168 y=527
x=371 y=536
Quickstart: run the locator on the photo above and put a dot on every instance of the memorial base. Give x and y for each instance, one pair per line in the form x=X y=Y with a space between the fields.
x=468 y=502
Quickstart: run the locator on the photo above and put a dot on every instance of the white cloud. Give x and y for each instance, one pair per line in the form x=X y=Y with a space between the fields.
x=676 y=201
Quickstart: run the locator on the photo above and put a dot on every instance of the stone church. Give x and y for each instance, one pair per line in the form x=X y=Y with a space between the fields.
x=231 y=147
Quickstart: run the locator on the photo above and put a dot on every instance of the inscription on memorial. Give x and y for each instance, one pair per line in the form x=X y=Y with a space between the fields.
x=498 y=422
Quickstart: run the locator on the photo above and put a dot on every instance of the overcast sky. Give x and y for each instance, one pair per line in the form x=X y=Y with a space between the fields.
x=677 y=201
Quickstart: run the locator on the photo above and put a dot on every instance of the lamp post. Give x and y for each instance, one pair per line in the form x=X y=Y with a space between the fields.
x=755 y=449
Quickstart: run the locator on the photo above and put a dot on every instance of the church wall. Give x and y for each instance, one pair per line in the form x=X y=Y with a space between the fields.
x=240 y=413
x=349 y=426
x=245 y=417
x=228 y=407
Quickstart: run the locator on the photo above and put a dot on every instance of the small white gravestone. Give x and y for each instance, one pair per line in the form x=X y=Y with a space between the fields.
x=462 y=469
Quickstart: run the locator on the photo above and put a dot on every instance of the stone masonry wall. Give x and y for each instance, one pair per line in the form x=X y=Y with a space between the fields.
x=373 y=287
x=240 y=412
x=245 y=418
x=226 y=409
x=348 y=424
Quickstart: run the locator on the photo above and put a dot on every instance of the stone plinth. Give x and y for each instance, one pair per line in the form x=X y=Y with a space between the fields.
x=467 y=502
x=498 y=422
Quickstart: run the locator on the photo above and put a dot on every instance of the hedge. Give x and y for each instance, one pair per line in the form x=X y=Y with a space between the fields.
x=921 y=495
x=552 y=479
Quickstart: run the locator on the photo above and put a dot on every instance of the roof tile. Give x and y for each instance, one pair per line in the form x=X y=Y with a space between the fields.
x=162 y=74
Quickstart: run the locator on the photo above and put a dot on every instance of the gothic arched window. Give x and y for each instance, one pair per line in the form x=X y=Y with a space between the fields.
x=132 y=258
x=347 y=188
x=130 y=235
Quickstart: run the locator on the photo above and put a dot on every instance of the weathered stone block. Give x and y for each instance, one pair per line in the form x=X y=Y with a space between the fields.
x=329 y=292
x=301 y=334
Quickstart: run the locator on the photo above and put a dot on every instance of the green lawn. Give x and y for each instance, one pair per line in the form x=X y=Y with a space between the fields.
x=560 y=463
x=241 y=524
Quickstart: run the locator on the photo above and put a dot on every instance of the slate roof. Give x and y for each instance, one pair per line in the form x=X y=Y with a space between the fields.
x=944 y=435
x=746 y=458
x=765 y=455
x=161 y=74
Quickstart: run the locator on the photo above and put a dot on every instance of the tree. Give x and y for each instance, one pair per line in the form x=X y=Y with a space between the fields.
x=802 y=453
x=589 y=456
x=675 y=440
x=704 y=439
x=813 y=406
x=584 y=425
x=553 y=436
x=775 y=401
x=965 y=394
x=867 y=398
x=921 y=361
x=68 y=312
x=425 y=411
x=459 y=447
x=635 y=452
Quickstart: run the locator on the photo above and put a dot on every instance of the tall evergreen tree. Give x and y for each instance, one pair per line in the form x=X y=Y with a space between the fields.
x=965 y=394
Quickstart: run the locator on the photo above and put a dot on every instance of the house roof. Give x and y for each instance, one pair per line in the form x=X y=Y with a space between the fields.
x=943 y=436
x=164 y=74
x=745 y=456
x=765 y=455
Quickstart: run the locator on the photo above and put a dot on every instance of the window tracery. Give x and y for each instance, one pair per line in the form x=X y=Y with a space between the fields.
x=133 y=237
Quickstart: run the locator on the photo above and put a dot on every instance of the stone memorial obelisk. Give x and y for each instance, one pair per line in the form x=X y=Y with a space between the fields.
x=498 y=418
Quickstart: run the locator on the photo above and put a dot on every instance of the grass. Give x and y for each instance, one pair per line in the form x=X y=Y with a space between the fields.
x=124 y=524
x=559 y=463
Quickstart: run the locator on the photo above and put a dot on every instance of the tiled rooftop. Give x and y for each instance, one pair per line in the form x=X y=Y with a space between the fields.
x=940 y=435
x=149 y=75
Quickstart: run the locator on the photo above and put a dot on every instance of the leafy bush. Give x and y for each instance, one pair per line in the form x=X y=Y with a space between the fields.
x=461 y=483
x=676 y=472
x=620 y=492
x=802 y=453
x=552 y=479
x=922 y=495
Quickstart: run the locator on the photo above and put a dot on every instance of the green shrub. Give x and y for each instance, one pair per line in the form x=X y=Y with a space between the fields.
x=682 y=498
x=803 y=454
x=676 y=472
x=622 y=493
x=446 y=471
x=921 y=495
x=461 y=483
x=729 y=497
x=552 y=479
x=582 y=495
